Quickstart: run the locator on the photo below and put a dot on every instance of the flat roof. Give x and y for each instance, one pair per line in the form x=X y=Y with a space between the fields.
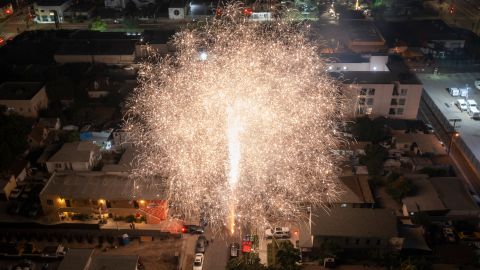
x=19 y=90
x=453 y=193
x=354 y=222
x=74 y=152
x=427 y=143
x=425 y=197
x=158 y=36
x=363 y=77
x=362 y=30
x=97 y=47
x=114 y=262
x=346 y=58
x=76 y=259
x=355 y=189
x=102 y=185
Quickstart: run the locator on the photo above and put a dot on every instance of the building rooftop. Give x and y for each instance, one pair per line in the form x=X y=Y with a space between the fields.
x=75 y=152
x=363 y=77
x=354 y=222
x=19 y=90
x=355 y=189
x=112 y=262
x=97 y=47
x=76 y=259
x=453 y=193
x=346 y=58
x=362 y=31
x=157 y=36
x=49 y=3
x=104 y=185
x=427 y=143
x=425 y=197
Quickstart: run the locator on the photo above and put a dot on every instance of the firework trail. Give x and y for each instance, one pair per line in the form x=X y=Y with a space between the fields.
x=240 y=121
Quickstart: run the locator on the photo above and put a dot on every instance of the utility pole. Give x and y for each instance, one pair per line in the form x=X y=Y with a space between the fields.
x=453 y=133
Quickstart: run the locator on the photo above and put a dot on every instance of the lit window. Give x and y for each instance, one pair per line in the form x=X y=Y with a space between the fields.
x=343 y=205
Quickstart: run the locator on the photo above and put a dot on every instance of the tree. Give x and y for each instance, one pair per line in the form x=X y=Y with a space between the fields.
x=98 y=25
x=329 y=248
x=366 y=129
x=374 y=156
x=288 y=256
x=13 y=138
x=247 y=262
x=400 y=188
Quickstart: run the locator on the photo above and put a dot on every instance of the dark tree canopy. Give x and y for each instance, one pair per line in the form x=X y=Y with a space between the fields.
x=13 y=138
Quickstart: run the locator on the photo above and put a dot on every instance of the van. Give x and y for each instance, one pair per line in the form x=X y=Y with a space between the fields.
x=464 y=92
x=454 y=91
x=462 y=105
x=477 y=84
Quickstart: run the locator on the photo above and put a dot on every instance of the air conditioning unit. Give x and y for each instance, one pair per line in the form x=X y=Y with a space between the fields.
x=176 y=13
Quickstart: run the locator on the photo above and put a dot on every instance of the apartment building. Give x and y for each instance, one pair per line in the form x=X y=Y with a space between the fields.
x=101 y=195
x=23 y=98
x=376 y=85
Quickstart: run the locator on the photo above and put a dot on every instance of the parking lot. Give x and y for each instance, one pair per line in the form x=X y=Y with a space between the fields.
x=469 y=129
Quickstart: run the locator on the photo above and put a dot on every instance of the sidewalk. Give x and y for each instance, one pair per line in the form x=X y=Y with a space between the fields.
x=186 y=252
x=171 y=226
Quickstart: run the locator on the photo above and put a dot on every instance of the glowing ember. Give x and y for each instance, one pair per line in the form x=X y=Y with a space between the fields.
x=241 y=122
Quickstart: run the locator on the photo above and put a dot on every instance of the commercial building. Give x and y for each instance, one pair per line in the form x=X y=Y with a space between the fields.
x=377 y=86
x=50 y=11
x=24 y=98
x=75 y=156
x=102 y=195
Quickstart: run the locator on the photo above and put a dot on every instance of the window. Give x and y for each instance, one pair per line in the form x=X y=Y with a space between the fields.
x=401 y=101
x=403 y=92
x=44 y=18
x=176 y=12
x=378 y=242
x=42 y=10
x=400 y=111
x=393 y=101
x=368 y=111
x=49 y=202
x=371 y=91
x=357 y=242
x=363 y=91
x=395 y=91
x=347 y=240
x=58 y=165
x=370 y=101
x=391 y=111
x=361 y=101
x=67 y=203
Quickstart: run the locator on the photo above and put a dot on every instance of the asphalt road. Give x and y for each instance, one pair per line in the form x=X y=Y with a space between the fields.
x=466 y=13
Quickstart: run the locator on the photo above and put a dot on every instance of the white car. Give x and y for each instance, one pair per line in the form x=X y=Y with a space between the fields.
x=278 y=232
x=198 y=262
x=462 y=105
x=477 y=84
x=455 y=92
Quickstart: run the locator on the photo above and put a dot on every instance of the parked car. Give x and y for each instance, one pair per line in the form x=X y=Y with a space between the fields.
x=454 y=92
x=234 y=250
x=201 y=244
x=278 y=232
x=430 y=128
x=448 y=234
x=198 y=262
x=477 y=84
x=462 y=105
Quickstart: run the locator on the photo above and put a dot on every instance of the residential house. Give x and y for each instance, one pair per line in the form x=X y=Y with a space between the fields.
x=76 y=156
x=350 y=228
x=24 y=98
x=102 y=194
x=51 y=123
x=37 y=137
x=50 y=11
x=356 y=192
x=439 y=198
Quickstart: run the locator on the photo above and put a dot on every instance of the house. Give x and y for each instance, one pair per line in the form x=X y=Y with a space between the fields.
x=50 y=11
x=356 y=192
x=102 y=194
x=24 y=98
x=177 y=10
x=424 y=200
x=110 y=52
x=381 y=86
x=116 y=4
x=419 y=144
x=51 y=123
x=79 y=11
x=76 y=156
x=350 y=228
x=124 y=164
x=84 y=259
x=37 y=137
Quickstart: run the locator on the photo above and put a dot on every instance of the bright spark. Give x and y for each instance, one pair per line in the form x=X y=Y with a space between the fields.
x=245 y=135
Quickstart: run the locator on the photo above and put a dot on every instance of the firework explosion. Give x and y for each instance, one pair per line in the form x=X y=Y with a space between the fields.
x=240 y=121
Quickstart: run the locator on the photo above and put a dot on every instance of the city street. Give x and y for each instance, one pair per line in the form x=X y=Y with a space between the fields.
x=462 y=13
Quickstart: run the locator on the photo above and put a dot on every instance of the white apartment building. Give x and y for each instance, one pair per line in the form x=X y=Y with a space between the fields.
x=47 y=10
x=75 y=156
x=377 y=85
